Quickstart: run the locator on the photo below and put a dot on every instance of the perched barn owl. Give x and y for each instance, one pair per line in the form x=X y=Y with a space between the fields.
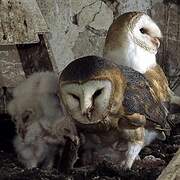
x=114 y=109
x=40 y=120
x=133 y=40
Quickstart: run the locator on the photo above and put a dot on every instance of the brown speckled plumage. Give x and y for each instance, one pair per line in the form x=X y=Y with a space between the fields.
x=158 y=82
x=139 y=98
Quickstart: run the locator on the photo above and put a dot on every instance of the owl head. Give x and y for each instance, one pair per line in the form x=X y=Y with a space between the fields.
x=90 y=87
x=133 y=40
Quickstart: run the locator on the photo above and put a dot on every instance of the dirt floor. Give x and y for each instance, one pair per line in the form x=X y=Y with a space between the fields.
x=154 y=159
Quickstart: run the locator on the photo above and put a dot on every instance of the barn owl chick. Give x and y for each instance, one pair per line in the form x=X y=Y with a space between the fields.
x=38 y=113
x=133 y=40
x=114 y=110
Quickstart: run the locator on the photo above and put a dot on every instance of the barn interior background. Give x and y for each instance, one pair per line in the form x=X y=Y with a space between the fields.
x=38 y=35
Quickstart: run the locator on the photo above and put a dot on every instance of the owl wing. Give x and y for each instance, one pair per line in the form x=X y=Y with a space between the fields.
x=139 y=98
x=158 y=82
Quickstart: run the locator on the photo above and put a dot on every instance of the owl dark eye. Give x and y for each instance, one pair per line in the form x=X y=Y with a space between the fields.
x=75 y=97
x=97 y=93
x=142 y=30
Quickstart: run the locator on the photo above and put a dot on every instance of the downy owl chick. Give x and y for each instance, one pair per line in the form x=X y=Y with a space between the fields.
x=133 y=40
x=114 y=109
x=37 y=112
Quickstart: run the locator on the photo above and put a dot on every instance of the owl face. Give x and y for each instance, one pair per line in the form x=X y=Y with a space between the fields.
x=144 y=32
x=90 y=88
x=87 y=102
x=133 y=40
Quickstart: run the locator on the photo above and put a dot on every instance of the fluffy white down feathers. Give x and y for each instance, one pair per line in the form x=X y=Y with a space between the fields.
x=37 y=110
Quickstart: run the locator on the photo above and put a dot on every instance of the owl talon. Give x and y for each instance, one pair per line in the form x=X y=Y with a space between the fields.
x=72 y=138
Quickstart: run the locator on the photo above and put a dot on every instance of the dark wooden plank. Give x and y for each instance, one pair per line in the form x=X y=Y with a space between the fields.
x=35 y=57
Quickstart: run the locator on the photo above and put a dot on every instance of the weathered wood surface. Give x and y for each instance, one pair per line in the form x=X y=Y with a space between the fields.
x=20 y=22
x=11 y=71
x=172 y=171
x=35 y=57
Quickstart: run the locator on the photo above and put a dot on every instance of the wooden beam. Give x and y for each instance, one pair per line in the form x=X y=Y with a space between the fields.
x=172 y=171
x=35 y=57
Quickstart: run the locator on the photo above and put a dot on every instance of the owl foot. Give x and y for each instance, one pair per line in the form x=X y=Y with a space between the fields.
x=131 y=155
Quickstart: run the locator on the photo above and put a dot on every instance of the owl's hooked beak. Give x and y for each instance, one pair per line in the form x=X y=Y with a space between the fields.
x=86 y=110
x=156 y=41
x=86 y=106
x=88 y=113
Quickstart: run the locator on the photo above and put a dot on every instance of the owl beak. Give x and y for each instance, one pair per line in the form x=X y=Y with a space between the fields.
x=87 y=112
x=156 y=41
x=86 y=107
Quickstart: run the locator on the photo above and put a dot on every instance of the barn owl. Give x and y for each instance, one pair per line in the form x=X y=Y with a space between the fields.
x=114 y=109
x=40 y=120
x=133 y=40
